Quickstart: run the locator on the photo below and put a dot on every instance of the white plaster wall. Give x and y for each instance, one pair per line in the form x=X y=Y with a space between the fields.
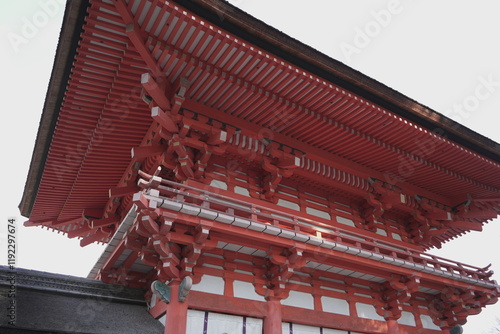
x=218 y=184
x=241 y=191
x=335 y=305
x=367 y=311
x=299 y=299
x=407 y=318
x=288 y=204
x=318 y=213
x=427 y=322
x=396 y=236
x=246 y=290
x=345 y=221
x=210 y=284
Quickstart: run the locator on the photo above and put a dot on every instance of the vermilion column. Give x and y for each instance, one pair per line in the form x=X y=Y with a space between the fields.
x=273 y=317
x=392 y=326
x=176 y=317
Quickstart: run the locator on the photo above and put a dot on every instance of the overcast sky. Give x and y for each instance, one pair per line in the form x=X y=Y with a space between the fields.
x=443 y=54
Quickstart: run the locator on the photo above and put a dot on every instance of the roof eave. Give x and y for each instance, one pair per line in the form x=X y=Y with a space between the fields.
x=264 y=36
x=304 y=56
x=69 y=36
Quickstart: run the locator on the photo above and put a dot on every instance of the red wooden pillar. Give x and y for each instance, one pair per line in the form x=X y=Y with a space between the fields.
x=273 y=317
x=176 y=317
x=392 y=326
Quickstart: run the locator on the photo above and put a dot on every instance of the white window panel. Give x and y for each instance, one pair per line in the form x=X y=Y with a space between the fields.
x=299 y=299
x=253 y=326
x=407 y=318
x=210 y=284
x=241 y=191
x=427 y=322
x=288 y=328
x=318 y=213
x=217 y=323
x=368 y=311
x=288 y=204
x=335 y=305
x=218 y=184
x=195 y=322
x=345 y=221
x=303 y=329
x=335 y=331
x=224 y=323
x=246 y=290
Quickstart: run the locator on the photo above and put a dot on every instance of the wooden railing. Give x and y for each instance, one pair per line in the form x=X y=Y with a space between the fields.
x=221 y=207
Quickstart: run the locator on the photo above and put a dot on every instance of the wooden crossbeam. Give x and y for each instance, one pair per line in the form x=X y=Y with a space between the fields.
x=98 y=235
x=393 y=198
x=104 y=222
x=30 y=223
x=67 y=222
x=467 y=225
x=164 y=119
x=443 y=215
x=142 y=152
x=155 y=90
x=135 y=36
x=479 y=214
x=436 y=232
x=122 y=191
x=79 y=232
x=133 y=243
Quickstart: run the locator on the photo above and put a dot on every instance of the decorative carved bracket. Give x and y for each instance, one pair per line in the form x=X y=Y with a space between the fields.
x=383 y=197
x=427 y=220
x=453 y=306
x=173 y=250
x=372 y=211
x=191 y=139
x=280 y=268
x=392 y=293
x=163 y=291
x=278 y=163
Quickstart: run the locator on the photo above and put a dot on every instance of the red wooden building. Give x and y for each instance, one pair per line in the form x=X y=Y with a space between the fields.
x=293 y=193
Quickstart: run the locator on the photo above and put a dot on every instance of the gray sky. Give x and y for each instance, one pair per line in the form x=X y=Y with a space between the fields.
x=443 y=54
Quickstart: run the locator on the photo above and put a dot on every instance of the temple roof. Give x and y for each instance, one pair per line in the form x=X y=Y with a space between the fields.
x=246 y=73
x=49 y=303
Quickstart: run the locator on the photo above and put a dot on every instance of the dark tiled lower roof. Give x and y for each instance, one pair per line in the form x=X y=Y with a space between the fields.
x=52 y=303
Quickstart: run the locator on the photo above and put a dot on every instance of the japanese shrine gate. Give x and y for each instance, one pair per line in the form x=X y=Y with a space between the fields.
x=252 y=184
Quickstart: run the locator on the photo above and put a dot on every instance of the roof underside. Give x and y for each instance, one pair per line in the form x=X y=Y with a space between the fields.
x=299 y=95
